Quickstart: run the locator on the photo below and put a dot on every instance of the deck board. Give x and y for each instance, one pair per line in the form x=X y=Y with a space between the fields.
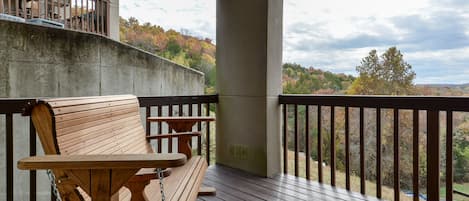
x=234 y=185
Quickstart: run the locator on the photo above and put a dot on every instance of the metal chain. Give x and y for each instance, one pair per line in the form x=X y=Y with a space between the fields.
x=53 y=185
x=161 y=176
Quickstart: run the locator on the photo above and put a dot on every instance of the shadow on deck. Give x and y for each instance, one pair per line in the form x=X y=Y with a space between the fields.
x=233 y=185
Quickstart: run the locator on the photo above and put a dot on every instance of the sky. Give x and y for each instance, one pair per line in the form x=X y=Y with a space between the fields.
x=335 y=35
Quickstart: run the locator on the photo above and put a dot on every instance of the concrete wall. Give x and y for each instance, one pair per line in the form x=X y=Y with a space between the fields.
x=249 y=58
x=36 y=61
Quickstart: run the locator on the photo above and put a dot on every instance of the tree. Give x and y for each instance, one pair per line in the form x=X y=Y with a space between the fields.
x=388 y=74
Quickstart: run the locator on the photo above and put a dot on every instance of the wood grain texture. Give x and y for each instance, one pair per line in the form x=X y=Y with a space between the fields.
x=99 y=144
x=115 y=161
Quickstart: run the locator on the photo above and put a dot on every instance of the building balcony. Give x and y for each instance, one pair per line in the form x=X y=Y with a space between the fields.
x=351 y=114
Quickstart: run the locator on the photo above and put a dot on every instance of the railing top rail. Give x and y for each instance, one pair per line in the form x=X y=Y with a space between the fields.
x=14 y=105
x=440 y=103
x=168 y=100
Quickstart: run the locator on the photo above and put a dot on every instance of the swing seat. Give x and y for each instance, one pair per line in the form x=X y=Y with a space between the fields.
x=98 y=150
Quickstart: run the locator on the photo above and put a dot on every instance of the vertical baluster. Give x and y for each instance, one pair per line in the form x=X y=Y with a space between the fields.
x=190 y=114
x=160 y=128
x=64 y=3
x=9 y=156
x=362 y=152
x=415 y=155
x=101 y=10
x=320 y=178
x=208 y=134
x=98 y=13
x=378 y=153
x=180 y=110
x=347 y=149
x=296 y=142
x=93 y=7
x=87 y=17
x=396 y=156
x=433 y=155
x=170 y=130
x=147 y=123
x=199 y=128
x=23 y=7
x=332 y=146
x=81 y=16
x=70 y=16
x=307 y=141
x=32 y=152
x=449 y=155
x=77 y=21
x=108 y=16
x=285 y=138
x=17 y=6
x=2 y=7
x=45 y=9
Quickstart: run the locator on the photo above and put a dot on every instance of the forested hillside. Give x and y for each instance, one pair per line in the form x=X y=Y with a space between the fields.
x=193 y=52
x=300 y=80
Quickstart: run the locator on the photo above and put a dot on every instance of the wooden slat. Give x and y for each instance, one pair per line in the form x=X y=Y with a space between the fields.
x=347 y=149
x=307 y=144
x=320 y=177
x=76 y=108
x=362 y=153
x=415 y=155
x=94 y=116
x=332 y=146
x=296 y=139
x=433 y=163
x=285 y=138
x=73 y=101
x=449 y=155
x=378 y=153
x=397 y=188
x=114 y=161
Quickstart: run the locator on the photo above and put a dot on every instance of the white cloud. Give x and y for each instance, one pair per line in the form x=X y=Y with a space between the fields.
x=196 y=16
x=335 y=34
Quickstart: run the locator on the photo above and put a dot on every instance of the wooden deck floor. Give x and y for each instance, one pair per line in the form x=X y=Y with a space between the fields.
x=236 y=185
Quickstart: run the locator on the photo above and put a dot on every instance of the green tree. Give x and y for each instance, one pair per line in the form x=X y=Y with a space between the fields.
x=388 y=74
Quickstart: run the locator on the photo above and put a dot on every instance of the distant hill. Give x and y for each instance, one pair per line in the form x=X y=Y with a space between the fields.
x=300 y=80
x=443 y=89
x=199 y=54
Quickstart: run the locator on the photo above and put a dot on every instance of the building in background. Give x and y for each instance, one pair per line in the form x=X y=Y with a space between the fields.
x=95 y=16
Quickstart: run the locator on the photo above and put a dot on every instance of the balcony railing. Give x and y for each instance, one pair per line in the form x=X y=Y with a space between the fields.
x=377 y=108
x=84 y=15
x=12 y=109
x=350 y=114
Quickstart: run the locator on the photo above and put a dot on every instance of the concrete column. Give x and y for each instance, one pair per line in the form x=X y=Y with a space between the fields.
x=249 y=58
x=114 y=20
